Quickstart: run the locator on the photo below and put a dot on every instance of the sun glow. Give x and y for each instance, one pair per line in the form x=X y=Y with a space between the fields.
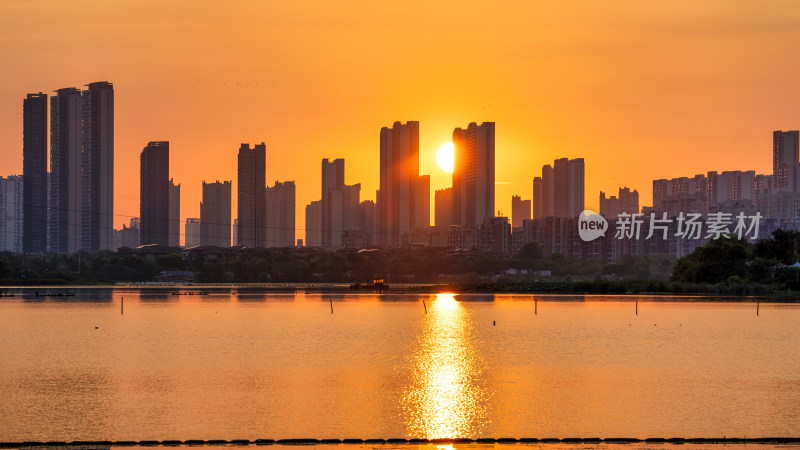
x=446 y=301
x=445 y=157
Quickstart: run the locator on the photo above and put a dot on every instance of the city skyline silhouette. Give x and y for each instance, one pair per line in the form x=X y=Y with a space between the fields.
x=639 y=93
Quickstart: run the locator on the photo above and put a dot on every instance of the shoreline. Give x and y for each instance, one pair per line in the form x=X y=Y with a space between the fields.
x=597 y=288
x=777 y=441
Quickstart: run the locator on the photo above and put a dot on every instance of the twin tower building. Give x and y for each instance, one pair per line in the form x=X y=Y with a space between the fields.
x=71 y=207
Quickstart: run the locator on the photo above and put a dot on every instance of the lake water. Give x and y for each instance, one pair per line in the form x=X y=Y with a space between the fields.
x=231 y=364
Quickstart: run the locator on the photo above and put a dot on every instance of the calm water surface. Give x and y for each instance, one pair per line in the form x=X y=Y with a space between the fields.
x=234 y=364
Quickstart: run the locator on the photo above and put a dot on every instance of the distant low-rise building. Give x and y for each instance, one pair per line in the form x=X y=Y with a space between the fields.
x=626 y=201
x=520 y=210
x=192 y=232
x=129 y=235
x=495 y=235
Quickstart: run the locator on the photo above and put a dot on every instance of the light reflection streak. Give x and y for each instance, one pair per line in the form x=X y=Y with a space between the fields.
x=445 y=397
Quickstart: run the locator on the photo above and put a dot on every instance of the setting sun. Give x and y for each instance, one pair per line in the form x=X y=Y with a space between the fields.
x=445 y=157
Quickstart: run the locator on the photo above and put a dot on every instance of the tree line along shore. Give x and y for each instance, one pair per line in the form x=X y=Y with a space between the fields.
x=727 y=266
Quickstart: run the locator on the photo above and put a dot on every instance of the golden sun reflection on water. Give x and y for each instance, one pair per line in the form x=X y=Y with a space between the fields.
x=445 y=397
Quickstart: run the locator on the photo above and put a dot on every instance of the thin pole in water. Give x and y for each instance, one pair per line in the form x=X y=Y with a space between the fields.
x=423 y=305
x=758 y=303
x=637 y=307
x=535 y=306
x=331 y=300
x=122 y=306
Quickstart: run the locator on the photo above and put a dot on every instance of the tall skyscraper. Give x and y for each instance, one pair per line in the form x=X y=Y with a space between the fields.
x=11 y=213
x=338 y=206
x=561 y=182
x=174 y=228
x=343 y=213
x=332 y=179
x=473 y=174
x=537 y=197
x=192 y=232
x=403 y=196
x=785 y=156
x=66 y=134
x=34 y=171
x=576 y=186
x=520 y=210
x=548 y=191
x=559 y=191
x=98 y=166
x=280 y=210
x=154 y=194
x=215 y=214
x=314 y=224
x=422 y=206
x=250 y=188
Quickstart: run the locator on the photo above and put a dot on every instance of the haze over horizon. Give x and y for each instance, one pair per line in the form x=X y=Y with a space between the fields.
x=641 y=91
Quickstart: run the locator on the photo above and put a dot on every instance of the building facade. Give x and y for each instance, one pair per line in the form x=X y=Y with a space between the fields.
x=65 y=211
x=174 y=228
x=154 y=198
x=559 y=192
x=97 y=166
x=473 y=174
x=34 y=171
x=314 y=224
x=250 y=188
x=520 y=210
x=701 y=193
x=785 y=156
x=280 y=212
x=403 y=199
x=192 y=232
x=443 y=207
x=128 y=236
x=626 y=201
x=332 y=181
x=215 y=214
x=342 y=214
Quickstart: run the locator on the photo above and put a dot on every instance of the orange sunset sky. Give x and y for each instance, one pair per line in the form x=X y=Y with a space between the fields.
x=640 y=89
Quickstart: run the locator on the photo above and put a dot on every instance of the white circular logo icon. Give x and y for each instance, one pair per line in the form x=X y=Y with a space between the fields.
x=591 y=225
